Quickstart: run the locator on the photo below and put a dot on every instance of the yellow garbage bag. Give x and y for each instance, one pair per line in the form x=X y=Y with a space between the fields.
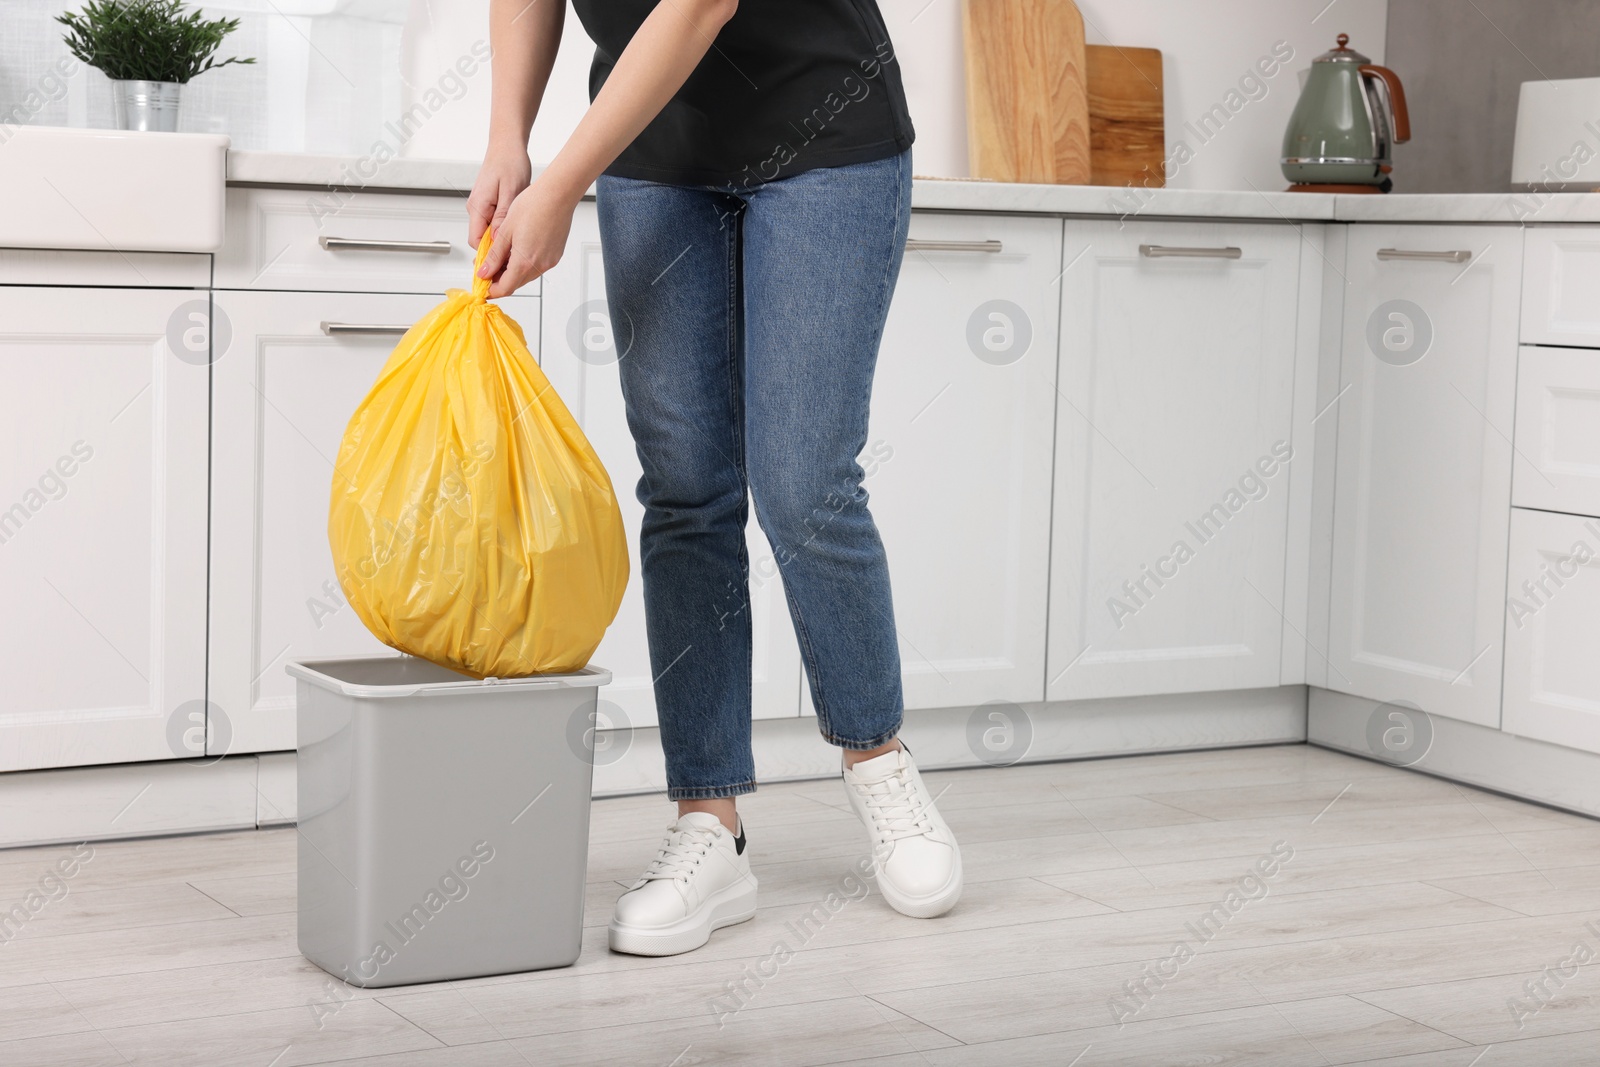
x=471 y=522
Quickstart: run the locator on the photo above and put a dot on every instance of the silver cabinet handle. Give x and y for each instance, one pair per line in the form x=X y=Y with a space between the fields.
x=1443 y=257
x=334 y=244
x=1165 y=251
x=917 y=244
x=369 y=328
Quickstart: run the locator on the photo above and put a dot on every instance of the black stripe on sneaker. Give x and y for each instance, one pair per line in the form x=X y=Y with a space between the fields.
x=738 y=841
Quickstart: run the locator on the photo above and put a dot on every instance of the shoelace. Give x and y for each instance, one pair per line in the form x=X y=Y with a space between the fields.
x=683 y=851
x=897 y=809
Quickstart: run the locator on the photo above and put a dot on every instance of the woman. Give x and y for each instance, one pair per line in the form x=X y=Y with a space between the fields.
x=753 y=177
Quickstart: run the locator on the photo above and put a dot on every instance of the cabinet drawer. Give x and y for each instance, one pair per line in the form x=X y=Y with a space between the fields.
x=1552 y=676
x=1558 y=430
x=358 y=243
x=1561 y=286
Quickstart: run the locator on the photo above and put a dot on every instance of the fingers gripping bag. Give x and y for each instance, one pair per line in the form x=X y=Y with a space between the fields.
x=471 y=522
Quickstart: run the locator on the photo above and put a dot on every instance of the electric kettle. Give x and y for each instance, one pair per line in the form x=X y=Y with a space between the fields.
x=1351 y=112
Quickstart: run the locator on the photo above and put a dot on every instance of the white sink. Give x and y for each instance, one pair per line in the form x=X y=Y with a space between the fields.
x=111 y=189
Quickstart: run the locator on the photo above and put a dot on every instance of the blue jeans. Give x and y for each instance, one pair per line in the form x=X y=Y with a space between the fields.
x=754 y=317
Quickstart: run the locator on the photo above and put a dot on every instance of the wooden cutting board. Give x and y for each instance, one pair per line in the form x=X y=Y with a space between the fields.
x=1027 y=108
x=1127 y=121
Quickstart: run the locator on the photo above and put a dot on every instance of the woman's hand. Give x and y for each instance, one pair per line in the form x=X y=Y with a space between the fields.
x=531 y=239
x=532 y=234
x=504 y=175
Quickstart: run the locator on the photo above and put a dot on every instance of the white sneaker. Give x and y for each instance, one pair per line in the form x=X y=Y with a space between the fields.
x=699 y=881
x=917 y=859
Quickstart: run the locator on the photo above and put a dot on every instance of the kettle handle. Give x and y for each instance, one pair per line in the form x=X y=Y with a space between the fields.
x=1397 y=99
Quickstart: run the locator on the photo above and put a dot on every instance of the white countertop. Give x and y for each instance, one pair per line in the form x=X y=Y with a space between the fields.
x=1470 y=207
x=299 y=168
x=1274 y=205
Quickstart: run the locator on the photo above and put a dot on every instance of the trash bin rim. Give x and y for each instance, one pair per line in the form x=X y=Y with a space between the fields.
x=310 y=670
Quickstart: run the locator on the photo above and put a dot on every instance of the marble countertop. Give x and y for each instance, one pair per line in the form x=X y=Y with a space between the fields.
x=938 y=194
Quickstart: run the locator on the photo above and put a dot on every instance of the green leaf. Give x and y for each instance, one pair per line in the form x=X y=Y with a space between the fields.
x=146 y=40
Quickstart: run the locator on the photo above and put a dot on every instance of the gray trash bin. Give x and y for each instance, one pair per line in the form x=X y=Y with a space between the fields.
x=444 y=821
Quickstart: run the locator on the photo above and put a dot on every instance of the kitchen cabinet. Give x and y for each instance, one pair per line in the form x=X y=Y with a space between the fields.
x=1079 y=457
x=958 y=455
x=284 y=390
x=579 y=357
x=1173 y=433
x=102 y=525
x=1423 y=482
x=1552 y=675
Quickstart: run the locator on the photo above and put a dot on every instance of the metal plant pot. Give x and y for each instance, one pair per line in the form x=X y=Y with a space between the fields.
x=141 y=105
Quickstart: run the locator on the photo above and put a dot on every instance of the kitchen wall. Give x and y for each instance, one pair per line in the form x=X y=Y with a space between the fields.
x=1209 y=48
x=329 y=76
x=336 y=75
x=1463 y=65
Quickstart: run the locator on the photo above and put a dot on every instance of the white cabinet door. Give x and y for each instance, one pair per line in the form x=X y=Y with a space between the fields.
x=283 y=394
x=1558 y=430
x=1552 y=687
x=581 y=364
x=1172 y=439
x=1423 y=485
x=958 y=455
x=102 y=526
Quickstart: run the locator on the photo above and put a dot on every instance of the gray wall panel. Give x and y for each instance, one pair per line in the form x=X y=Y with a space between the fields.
x=1463 y=63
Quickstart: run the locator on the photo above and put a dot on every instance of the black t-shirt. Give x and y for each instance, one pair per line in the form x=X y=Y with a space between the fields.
x=787 y=85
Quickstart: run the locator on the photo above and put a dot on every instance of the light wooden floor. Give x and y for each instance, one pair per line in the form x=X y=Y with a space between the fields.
x=1410 y=913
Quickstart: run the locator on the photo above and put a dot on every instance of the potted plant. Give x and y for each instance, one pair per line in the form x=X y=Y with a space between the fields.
x=149 y=49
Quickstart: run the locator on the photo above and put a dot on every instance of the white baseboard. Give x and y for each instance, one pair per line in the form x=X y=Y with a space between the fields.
x=275 y=796
x=1465 y=752
x=71 y=804
x=240 y=792
x=788 y=749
